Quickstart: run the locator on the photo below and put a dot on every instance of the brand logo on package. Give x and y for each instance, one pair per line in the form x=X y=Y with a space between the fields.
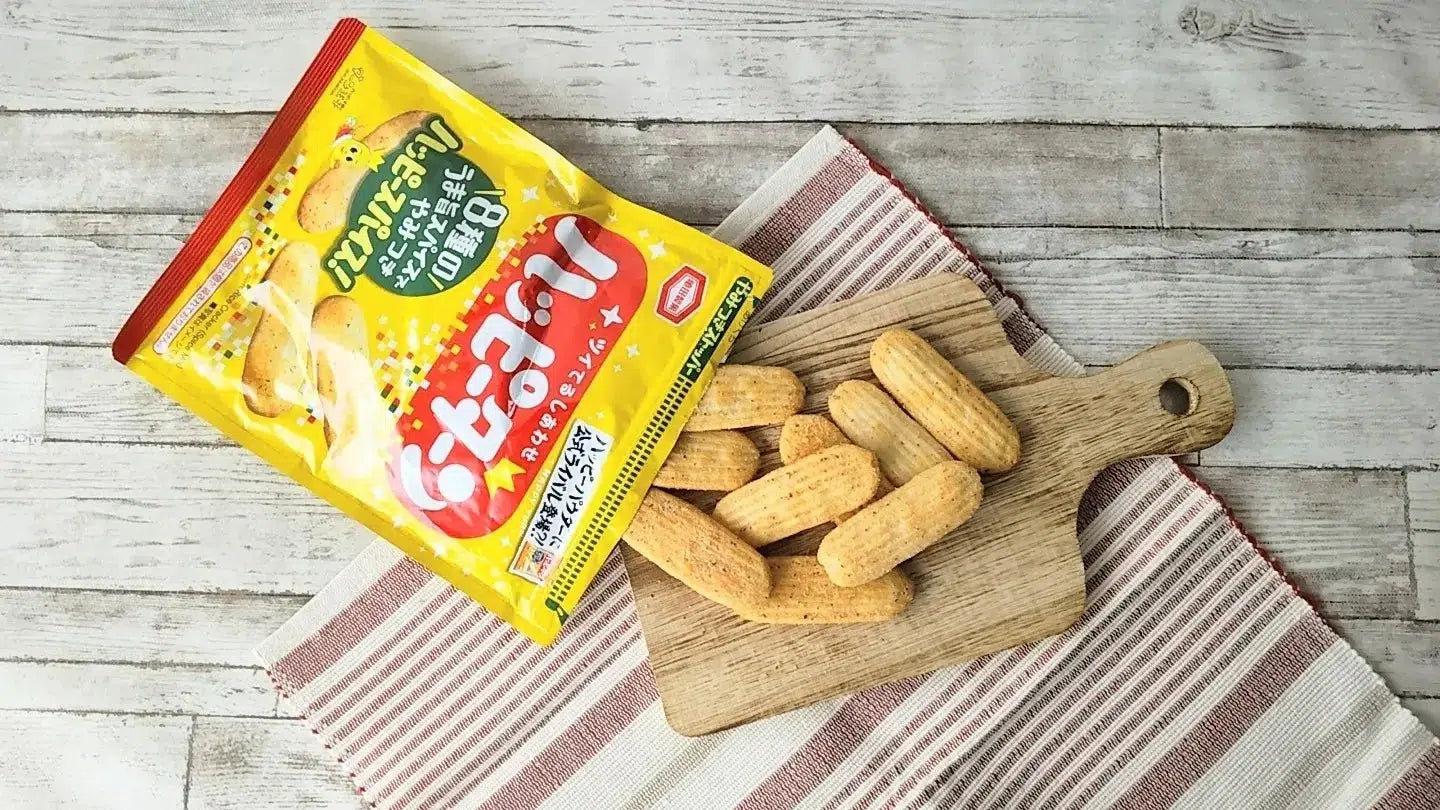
x=421 y=222
x=504 y=388
x=681 y=294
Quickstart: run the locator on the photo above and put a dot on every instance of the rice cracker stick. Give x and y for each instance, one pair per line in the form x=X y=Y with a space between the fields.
x=901 y=524
x=696 y=550
x=747 y=396
x=802 y=593
x=958 y=414
x=340 y=342
x=871 y=419
x=710 y=460
x=278 y=357
x=324 y=205
x=802 y=495
x=804 y=434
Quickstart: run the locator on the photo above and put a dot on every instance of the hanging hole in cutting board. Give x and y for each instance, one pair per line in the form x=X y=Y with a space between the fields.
x=1178 y=396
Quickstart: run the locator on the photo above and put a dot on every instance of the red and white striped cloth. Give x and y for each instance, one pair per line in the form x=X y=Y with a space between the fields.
x=1196 y=678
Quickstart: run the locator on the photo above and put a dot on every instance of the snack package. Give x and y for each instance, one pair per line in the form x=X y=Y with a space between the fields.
x=432 y=320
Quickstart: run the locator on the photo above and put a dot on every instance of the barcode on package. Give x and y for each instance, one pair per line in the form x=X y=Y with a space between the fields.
x=567 y=494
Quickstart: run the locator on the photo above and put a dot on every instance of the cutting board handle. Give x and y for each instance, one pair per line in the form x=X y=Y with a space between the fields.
x=1127 y=414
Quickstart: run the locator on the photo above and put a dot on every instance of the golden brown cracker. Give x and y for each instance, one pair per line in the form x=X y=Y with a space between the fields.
x=901 y=524
x=747 y=396
x=804 y=434
x=870 y=418
x=277 y=360
x=802 y=495
x=712 y=460
x=802 y=593
x=944 y=401
x=691 y=547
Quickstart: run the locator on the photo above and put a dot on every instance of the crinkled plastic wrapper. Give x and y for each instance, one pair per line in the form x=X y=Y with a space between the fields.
x=431 y=319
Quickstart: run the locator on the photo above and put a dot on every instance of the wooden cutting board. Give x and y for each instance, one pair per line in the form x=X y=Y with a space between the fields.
x=1010 y=575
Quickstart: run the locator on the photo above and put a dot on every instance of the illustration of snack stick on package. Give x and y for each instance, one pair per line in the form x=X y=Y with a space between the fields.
x=434 y=321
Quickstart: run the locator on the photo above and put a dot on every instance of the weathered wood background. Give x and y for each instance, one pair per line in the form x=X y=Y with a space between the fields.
x=1262 y=176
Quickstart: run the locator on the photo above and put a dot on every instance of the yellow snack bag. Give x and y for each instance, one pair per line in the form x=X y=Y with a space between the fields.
x=431 y=319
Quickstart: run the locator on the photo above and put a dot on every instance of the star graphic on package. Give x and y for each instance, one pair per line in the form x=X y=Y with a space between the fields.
x=632 y=350
x=611 y=315
x=502 y=476
x=657 y=250
x=528 y=194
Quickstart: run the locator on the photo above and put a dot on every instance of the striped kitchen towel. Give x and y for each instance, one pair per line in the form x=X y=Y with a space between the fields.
x=1197 y=676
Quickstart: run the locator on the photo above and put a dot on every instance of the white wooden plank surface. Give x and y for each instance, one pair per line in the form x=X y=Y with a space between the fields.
x=174 y=628
x=22 y=393
x=264 y=764
x=1297 y=312
x=90 y=397
x=1020 y=243
x=1424 y=491
x=1331 y=419
x=1405 y=653
x=1301 y=178
x=48 y=301
x=99 y=762
x=148 y=689
x=1339 y=534
x=95 y=223
x=1054 y=175
x=214 y=518
x=1224 y=62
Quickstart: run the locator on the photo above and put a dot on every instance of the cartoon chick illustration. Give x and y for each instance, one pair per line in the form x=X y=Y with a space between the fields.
x=348 y=149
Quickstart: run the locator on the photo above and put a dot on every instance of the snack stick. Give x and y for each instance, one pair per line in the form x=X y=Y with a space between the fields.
x=901 y=524
x=326 y=203
x=389 y=134
x=958 y=414
x=871 y=419
x=802 y=593
x=747 y=396
x=278 y=357
x=340 y=343
x=803 y=434
x=686 y=544
x=799 y=496
x=710 y=460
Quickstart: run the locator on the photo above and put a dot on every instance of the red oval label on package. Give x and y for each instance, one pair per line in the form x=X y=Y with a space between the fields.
x=502 y=390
